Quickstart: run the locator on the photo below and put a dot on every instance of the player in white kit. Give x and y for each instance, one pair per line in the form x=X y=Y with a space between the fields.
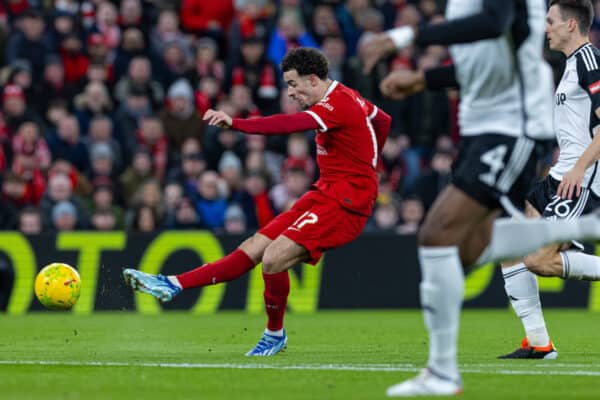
x=506 y=100
x=572 y=187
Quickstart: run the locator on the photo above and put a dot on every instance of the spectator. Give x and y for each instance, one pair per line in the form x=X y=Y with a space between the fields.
x=138 y=172
x=28 y=42
x=179 y=116
x=26 y=165
x=30 y=221
x=66 y=143
x=133 y=44
x=104 y=197
x=151 y=136
x=104 y=220
x=386 y=216
x=255 y=201
x=101 y=131
x=102 y=164
x=235 y=220
x=411 y=216
x=139 y=78
x=93 y=102
x=60 y=190
x=289 y=33
x=81 y=186
x=75 y=60
x=64 y=217
x=28 y=140
x=145 y=220
x=184 y=216
x=106 y=24
x=15 y=110
x=172 y=194
x=191 y=166
x=136 y=105
x=53 y=86
x=166 y=30
x=207 y=17
x=324 y=23
x=295 y=183
x=257 y=73
x=230 y=169
x=210 y=202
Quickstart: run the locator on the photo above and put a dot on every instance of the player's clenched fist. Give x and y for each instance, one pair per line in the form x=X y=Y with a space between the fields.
x=217 y=118
x=401 y=83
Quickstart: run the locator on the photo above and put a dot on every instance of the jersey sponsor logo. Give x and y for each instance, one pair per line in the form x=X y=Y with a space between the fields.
x=561 y=98
x=594 y=87
x=321 y=151
x=325 y=104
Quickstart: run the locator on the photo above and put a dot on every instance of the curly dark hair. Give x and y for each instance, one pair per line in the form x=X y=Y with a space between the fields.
x=581 y=10
x=306 y=61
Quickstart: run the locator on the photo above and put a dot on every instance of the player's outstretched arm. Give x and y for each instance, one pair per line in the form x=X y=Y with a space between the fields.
x=279 y=124
x=495 y=17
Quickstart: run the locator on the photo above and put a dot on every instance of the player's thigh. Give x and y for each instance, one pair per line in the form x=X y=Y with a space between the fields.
x=255 y=246
x=326 y=225
x=283 y=221
x=282 y=254
x=451 y=217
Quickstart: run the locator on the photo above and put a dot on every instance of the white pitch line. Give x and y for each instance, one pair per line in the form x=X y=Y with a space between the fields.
x=311 y=367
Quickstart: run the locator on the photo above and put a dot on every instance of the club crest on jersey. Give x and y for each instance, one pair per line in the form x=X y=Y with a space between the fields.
x=594 y=87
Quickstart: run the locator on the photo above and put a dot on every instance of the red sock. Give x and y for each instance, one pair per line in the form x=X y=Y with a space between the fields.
x=277 y=288
x=228 y=268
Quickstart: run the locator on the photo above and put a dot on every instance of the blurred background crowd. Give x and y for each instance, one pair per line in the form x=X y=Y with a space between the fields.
x=101 y=104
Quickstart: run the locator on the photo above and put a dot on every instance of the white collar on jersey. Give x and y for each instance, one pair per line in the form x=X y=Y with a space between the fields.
x=332 y=86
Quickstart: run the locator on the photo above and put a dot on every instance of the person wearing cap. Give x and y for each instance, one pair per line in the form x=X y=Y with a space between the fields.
x=64 y=216
x=15 y=110
x=235 y=220
x=101 y=161
x=179 y=115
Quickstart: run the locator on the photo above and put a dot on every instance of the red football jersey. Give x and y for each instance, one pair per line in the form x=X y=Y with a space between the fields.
x=347 y=148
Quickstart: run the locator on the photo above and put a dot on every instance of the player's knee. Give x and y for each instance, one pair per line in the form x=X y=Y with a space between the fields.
x=254 y=247
x=271 y=261
x=536 y=264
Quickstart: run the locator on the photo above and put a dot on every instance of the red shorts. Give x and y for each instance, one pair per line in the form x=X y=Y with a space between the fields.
x=317 y=223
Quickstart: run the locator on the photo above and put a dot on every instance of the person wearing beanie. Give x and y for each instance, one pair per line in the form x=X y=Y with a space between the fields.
x=179 y=116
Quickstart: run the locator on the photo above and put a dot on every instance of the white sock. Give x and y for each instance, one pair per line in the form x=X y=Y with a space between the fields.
x=173 y=279
x=581 y=266
x=274 y=333
x=522 y=290
x=512 y=238
x=442 y=289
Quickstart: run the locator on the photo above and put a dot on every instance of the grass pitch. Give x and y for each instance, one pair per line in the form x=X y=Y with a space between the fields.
x=331 y=355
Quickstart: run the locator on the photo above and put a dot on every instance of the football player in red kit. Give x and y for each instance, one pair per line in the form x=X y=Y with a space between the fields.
x=350 y=133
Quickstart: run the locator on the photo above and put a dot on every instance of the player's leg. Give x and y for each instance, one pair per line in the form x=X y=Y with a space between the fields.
x=522 y=290
x=322 y=224
x=453 y=215
x=279 y=256
x=228 y=268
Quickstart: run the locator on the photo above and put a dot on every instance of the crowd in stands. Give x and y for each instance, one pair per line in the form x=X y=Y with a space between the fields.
x=101 y=104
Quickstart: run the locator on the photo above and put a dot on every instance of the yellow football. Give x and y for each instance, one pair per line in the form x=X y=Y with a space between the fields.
x=57 y=286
